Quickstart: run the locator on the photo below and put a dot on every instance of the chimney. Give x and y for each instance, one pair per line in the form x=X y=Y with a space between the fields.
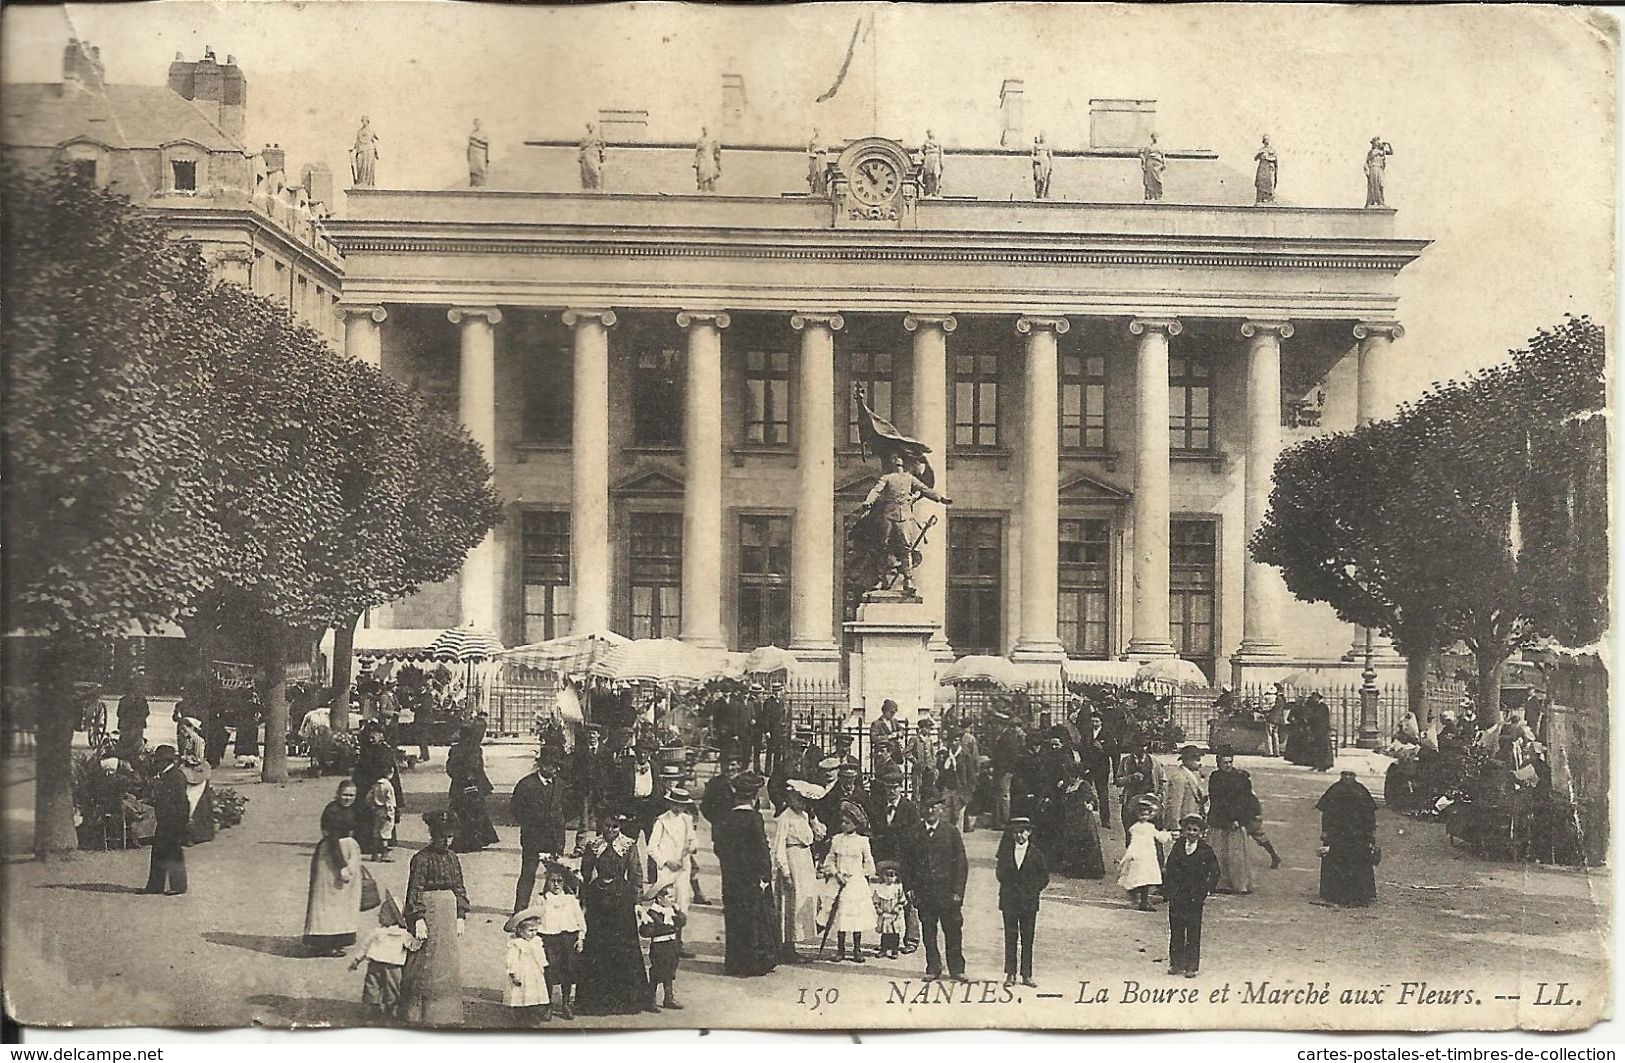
x=275 y=158
x=1011 y=95
x=1121 y=123
x=221 y=91
x=623 y=126
x=81 y=66
x=317 y=180
x=734 y=104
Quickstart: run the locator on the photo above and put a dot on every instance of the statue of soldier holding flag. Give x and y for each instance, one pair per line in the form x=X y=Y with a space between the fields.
x=884 y=542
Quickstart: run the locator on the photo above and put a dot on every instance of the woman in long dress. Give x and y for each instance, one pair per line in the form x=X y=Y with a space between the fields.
x=1078 y=853
x=333 y=908
x=795 y=881
x=1231 y=807
x=1348 y=839
x=850 y=864
x=436 y=905
x=612 y=978
x=465 y=764
x=1322 y=755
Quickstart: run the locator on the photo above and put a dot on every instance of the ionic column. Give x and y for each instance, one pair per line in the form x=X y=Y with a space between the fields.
x=1263 y=592
x=363 y=338
x=931 y=428
x=1040 y=490
x=589 y=471
x=476 y=406
x=1149 y=626
x=1373 y=401
x=702 y=478
x=812 y=545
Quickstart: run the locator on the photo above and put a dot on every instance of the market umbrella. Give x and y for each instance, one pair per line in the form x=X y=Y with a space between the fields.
x=1170 y=671
x=766 y=659
x=1307 y=680
x=1101 y=673
x=567 y=654
x=984 y=668
x=465 y=644
x=659 y=661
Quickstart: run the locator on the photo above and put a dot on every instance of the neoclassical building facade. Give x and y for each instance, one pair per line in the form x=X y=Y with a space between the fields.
x=663 y=381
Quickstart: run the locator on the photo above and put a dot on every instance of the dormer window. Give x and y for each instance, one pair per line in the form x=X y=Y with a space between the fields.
x=185 y=167
x=185 y=175
x=84 y=169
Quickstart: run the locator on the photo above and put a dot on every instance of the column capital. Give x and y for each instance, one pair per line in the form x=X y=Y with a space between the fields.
x=578 y=316
x=945 y=322
x=372 y=310
x=719 y=318
x=1253 y=326
x=1027 y=322
x=832 y=321
x=1156 y=324
x=1391 y=329
x=456 y=314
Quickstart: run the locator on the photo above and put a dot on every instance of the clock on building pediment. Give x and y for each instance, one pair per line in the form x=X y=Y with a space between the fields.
x=875 y=185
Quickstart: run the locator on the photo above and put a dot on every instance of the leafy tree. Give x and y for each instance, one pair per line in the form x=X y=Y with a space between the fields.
x=105 y=518
x=1478 y=513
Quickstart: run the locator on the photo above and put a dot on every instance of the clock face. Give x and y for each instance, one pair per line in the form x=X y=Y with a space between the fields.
x=874 y=181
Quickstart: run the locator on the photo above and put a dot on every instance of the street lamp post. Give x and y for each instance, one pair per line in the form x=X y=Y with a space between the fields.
x=1370 y=737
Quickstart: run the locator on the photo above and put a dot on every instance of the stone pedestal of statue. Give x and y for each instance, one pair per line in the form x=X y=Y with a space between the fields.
x=891 y=655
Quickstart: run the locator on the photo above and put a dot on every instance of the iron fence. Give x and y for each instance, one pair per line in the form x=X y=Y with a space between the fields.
x=1343 y=703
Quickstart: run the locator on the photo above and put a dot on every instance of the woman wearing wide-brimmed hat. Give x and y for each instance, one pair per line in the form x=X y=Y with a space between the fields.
x=613 y=979
x=465 y=763
x=436 y=905
x=795 y=880
x=750 y=918
x=333 y=906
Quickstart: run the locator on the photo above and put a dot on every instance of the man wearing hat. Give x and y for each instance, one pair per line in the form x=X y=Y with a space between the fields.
x=894 y=821
x=1023 y=873
x=669 y=846
x=845 y=796
x=956 y=777
x=934 y=873
x=1009 y=750
x=538 y=807
x=651 y=808
x=1186 y=794
x=769 y=730
x=885 y=734
x=749 y=915
x=174 y=812
x=800 y=763
x=589 y=767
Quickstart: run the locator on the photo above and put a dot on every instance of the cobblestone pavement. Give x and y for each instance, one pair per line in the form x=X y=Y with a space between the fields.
x=82 y=944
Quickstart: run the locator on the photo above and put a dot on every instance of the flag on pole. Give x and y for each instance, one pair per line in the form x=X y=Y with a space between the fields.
x=881 y=437
x=846 y=64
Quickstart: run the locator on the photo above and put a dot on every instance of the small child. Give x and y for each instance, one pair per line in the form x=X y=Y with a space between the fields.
x=1139 y=868
x=562 y=930
x=526 y=990
x=380 y=810
x=385 y=952
x=890 y=906
x=1192 y=873
x=660 y=921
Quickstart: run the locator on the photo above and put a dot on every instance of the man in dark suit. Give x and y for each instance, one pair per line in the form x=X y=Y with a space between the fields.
x=750 y=924
x=1023 y=873
x=893 y=822
x=174 y=814
x=934 y=874
x=956 y=776
x=1009 y=750
x=538 y=807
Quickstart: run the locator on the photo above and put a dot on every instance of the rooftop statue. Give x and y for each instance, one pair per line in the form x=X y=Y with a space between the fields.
x=707 y=161
x=479 y=156
x=1152 y=165
x=1043 y=165
x=883 y=545
x=817 y=167
x=1268 y=170
x=591 y=156
x=931 y=166
x=1376 y=170
x=364 y=156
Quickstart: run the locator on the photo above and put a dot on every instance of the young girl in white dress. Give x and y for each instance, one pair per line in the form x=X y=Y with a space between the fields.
x=1139 y=869
x=850 y=865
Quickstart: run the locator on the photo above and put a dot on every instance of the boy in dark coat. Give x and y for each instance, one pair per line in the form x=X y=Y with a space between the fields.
x=1192 y=872
x=174 y=813
x=1023 y=873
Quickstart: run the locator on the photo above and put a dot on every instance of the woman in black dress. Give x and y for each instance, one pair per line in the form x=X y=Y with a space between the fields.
x=612 y=980
x=436 y=907
x=465 y=763
x=1348 y=839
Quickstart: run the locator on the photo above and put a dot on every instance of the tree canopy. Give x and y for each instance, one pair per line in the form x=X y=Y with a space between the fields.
x=1478 y=513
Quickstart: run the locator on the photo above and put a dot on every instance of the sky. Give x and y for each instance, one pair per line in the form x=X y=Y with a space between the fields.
x=1503 y=119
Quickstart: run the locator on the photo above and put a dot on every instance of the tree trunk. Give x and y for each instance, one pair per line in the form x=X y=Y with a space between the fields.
x=274 y=758
x=343 y=652
x=54 y=834
x=1416 y=679
x=1487 y=705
